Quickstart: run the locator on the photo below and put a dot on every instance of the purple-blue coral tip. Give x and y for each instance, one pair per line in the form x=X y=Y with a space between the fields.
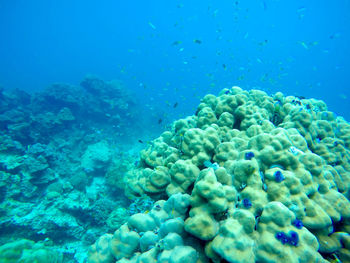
x=249 y=155
x=293 y=238
x=279 y=177
x=298 y=223
x=247 y=203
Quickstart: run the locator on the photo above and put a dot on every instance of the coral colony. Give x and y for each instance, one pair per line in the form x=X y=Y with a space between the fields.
x=197 y=205
x=247 y=170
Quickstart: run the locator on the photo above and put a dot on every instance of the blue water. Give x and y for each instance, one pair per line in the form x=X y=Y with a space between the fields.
x=178 y=51
x=167 y=55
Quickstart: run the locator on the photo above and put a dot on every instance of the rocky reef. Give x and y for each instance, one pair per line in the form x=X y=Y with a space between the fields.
x=248 y=178
x=62 y=167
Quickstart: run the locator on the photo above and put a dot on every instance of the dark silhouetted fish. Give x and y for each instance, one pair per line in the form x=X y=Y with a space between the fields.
x=175 y=43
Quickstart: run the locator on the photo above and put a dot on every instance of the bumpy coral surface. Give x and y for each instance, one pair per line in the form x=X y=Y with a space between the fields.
x=28 y=251
x=268 y=180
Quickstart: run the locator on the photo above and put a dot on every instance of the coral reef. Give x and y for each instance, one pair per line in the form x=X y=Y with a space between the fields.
x=61 y=161
x=27 y=251
x=268 y=180
x=157 y=236
x=248 y=178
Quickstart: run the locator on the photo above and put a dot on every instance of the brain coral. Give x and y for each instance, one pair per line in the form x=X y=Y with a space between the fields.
x=268 y=179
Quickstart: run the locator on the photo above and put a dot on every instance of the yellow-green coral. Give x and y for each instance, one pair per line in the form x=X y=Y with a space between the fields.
x=27 y=251
x=253 y=164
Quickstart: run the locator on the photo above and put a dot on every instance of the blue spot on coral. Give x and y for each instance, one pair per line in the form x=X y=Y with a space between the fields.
x=298 y=223
x=249 y=155
x=279 y=177
x=281 y=236
x=293 y=238
x=247 y=203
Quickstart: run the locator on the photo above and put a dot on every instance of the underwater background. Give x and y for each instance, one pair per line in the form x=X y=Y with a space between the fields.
x=95 y=96
x=296 y=47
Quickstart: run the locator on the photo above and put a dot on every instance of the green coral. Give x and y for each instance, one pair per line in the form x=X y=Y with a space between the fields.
x=27 y=251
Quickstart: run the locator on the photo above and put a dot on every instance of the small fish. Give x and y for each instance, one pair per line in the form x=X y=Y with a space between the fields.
x=259 y=60
x=240 y=77
x=300 y=12
x=197 y=41
x=175 y=43
x=224 y=66
x=303 y=44
x=263 y=43
x=151 y=25
x=175 y=105
x=181 y=49
x=209 y=164
x=301 y=9
x=140 y=141
x=160 y=121
x=172 y=212
x=246 y=35
x=334 y=36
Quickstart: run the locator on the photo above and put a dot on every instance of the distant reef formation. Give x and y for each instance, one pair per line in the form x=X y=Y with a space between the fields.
x=32 y=118
x=248 y=178
x=61 y=168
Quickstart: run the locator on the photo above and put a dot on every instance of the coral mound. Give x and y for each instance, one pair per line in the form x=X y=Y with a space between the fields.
x=248 y=178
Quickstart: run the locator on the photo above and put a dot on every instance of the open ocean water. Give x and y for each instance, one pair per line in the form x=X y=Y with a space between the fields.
x=86 y=85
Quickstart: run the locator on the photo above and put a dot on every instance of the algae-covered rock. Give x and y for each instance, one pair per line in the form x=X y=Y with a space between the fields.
x=96 y=157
